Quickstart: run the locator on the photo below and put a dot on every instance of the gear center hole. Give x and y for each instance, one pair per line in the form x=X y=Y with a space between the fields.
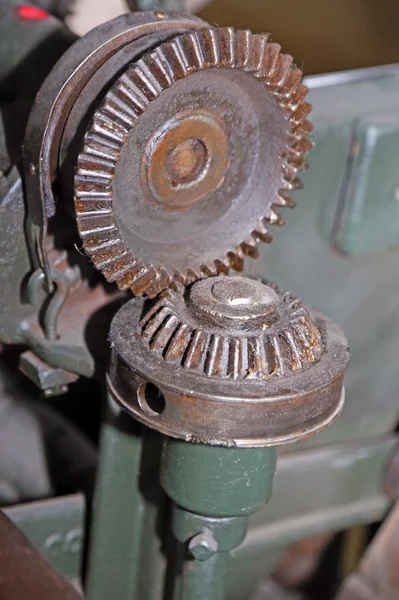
x=188 y=162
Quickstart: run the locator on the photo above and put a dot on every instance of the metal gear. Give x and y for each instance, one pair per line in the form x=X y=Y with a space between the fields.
x=228 y=361
x=253 y=331
x=189 y=157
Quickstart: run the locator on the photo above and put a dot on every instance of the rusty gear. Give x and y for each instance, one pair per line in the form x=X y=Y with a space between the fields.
x=189 y=157
x=276 y=337
x=228 y=361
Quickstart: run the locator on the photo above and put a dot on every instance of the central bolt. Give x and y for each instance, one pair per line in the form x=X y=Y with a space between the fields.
x=236 y=291
x=187 y=162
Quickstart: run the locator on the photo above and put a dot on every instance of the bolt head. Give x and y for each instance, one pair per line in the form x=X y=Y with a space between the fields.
x=203 y=545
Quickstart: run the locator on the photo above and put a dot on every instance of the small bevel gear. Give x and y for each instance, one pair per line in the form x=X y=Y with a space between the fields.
x=232 y=327
x=189 y=157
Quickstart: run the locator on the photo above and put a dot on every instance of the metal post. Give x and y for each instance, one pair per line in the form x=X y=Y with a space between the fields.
x=214 y=490
x=128 y=505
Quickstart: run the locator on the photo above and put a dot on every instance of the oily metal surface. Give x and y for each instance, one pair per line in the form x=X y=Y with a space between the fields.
x=188 y=157
x=268 y=378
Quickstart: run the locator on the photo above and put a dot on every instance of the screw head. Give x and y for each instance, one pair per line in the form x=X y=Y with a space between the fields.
x=203 y=545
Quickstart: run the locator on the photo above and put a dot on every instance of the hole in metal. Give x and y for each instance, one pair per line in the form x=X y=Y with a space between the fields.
x=150 y=399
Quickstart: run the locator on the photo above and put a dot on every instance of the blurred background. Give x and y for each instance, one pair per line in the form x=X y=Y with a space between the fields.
x=323 y=36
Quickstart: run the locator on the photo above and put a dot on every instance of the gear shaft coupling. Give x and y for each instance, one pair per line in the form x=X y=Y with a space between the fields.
x=228 y=361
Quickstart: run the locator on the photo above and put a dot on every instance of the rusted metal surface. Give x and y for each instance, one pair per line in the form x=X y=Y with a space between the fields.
x=378 y=574
x=56 y=98
x=189 y=157
x=230 y=361
x=25 y=573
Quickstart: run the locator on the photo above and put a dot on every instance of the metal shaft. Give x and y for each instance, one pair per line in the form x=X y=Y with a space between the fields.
x=214 y=490
x=128 y=506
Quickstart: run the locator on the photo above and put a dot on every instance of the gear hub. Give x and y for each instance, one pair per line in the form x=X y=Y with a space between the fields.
x=228 y=361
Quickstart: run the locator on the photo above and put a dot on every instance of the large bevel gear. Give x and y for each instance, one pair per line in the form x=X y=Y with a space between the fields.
x=189 y=157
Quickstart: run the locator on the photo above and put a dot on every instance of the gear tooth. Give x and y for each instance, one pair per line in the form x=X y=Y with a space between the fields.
x=215 y=363
x=156 y=307
x=270 y=63
x=162 y=282
x=92 y=206
x=194 y=51
x=105 y=128
x=113 y=258
x=302 y=130
x=243 y=48
x=291 y=84
x=178 y=343
x=168 y=63
x=284 y=199
x=154 y=323
x=149 y=88
x=125 y=103
x=176 y=60
x=236 y=259
x=92 y=187
x=162 y=74
x=301 y=148
x=262 y=234
x=162 y=336
x=227 y=46
x=143 y=280
x=118 y=271
x=296 y=361
x=210 y=47
x=258 y=365
x=128 y=88
x=274 y=218
x=209 y=270
x=179 y=50
x=95 y=147
x=193 y=274
x=238 y=358
x=250 y=248
x=180 y=278
x=301 y=114
x=92 y=223
x=292 y=184
x=94 y=166
x=297 y=98
x=297 y=163
x=277 y=353
x=283 y=70
x=258 y=47
x=112 y=109
x=303 y=344
x=195 y=352
x=223 y=266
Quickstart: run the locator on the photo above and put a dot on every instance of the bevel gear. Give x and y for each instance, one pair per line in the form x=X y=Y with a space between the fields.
x=189 y=157
x=232 y=327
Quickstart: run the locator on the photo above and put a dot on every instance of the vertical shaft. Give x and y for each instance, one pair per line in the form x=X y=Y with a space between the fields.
x=206 y=579
x=214 y=489
x=124 y=536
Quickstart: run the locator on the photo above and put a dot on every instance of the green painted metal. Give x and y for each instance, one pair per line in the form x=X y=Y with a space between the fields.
x=228 y=533
x=333 y=251
x=214 y=490
x=55 y=527
x=217 y=481
x=202 y=580
x=125 y=550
